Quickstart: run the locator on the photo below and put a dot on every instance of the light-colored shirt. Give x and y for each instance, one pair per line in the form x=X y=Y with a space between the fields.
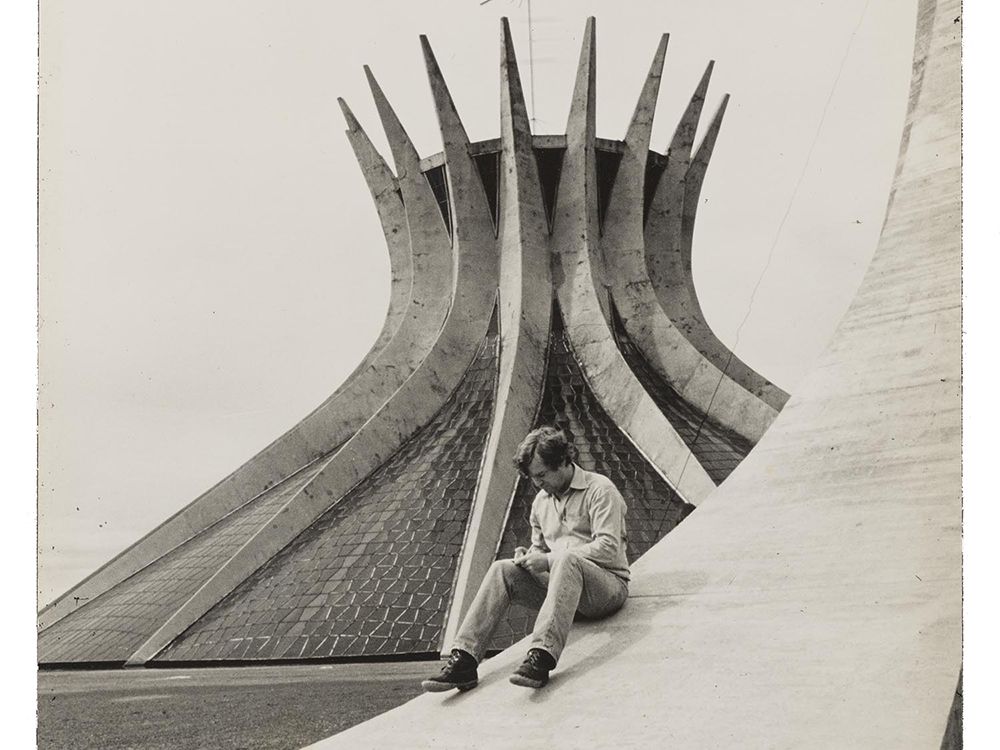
x=589 y=519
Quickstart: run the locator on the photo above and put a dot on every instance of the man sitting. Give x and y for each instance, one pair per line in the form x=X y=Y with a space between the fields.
x=576 y=563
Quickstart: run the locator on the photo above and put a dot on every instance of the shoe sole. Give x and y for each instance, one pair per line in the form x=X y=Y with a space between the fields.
x=520 y=679
x=433 y=686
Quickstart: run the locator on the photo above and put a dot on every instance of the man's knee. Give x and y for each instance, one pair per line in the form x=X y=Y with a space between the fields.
x=565 y=559
x=503 y=569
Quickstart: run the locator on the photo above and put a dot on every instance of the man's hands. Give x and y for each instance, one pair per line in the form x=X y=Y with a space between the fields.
x=535 y=563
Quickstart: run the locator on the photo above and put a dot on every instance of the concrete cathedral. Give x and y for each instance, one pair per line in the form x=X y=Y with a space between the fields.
x=535 y=280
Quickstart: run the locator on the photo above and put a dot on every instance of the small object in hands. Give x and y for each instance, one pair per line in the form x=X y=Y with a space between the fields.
x=519 y=552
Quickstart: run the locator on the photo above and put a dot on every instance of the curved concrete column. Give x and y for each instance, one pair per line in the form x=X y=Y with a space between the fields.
x=432 y=260
x=668 y=250
x=663 y=222
x=392 y=216
x=410 y=408
x=418 y=301
x=525 y=311
x=666 y=349
x=578 y=275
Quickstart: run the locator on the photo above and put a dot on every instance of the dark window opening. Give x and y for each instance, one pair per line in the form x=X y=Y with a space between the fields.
x=550 y=161
x=439 y=184
x=655 y=165
x=489 y=172
x=607 y=168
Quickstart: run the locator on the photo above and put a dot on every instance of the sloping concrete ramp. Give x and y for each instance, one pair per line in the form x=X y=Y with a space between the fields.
x=814 y=600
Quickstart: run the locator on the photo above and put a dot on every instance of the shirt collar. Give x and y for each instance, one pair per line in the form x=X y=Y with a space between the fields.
x=579 y=480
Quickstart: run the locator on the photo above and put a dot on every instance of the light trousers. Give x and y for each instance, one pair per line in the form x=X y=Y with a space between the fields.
x=575 y=585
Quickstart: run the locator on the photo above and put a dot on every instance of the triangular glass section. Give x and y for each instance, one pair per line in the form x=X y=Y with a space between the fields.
x=488 y=165
x=716 y=447
x=655 y=165
x=439 y=184
x=550 y=161
x=607 y=168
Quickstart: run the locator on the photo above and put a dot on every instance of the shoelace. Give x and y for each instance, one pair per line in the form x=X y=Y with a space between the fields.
x=537 y=660
x=453 y=661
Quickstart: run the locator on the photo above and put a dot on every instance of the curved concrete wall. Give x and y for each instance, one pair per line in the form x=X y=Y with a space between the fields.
x=419 y=397
x=417 y=302
x=666 y=349
x=667 y=244
x=580 y=287
x=815 y=599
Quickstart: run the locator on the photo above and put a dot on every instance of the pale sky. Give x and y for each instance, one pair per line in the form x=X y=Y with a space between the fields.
x=211 y=264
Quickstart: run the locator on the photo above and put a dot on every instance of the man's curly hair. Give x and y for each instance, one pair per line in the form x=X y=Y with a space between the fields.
x=550 y=444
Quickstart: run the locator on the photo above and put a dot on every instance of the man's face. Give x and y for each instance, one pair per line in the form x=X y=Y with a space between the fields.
x=554 y=481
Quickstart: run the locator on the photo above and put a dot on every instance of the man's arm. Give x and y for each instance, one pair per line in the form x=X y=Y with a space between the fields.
x=607 y=526
x=537 y=538
x=535 y=559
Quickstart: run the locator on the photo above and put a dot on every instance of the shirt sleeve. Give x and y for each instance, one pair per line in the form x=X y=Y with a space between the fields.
x=607 y=522
x=538 y=543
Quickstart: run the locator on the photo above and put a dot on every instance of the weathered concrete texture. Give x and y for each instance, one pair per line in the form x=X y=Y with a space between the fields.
x=524 y=293
x=578 y=275
x=668 y=239
x=411 y=407
x=666 y=349
x=420 y=294
x=392 y=215
x=373 y=575
x=815 y=599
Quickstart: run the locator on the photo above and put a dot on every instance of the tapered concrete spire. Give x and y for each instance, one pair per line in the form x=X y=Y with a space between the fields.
x=466 y=194
x=513 y=113
x=524 y=293
x=581 y=126
x=582 y=294
x=668 y=250
x=663 y=227
x=392 y=215
x=702 y=334
x=683 y=139
x=640 y=128
x=693 y=181
x=664 y=348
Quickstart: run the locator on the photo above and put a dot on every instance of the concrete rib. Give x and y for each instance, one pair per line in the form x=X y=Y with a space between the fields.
x=667 y=350
x=418 y=302
x=525 y=290
x=392 y=216
x=668 y=255
x=580 y=286
x=410 y=407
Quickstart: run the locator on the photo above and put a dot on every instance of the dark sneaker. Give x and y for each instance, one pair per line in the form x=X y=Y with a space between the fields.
x=459 y=672
x=534 y=671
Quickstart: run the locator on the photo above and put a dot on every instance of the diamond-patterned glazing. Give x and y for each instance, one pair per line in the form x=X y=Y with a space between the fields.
x=718 y=449
x=373 y=574
x=112 y=626
x=567 y=402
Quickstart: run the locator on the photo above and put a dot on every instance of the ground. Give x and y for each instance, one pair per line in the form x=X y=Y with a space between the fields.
x=224 y=708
